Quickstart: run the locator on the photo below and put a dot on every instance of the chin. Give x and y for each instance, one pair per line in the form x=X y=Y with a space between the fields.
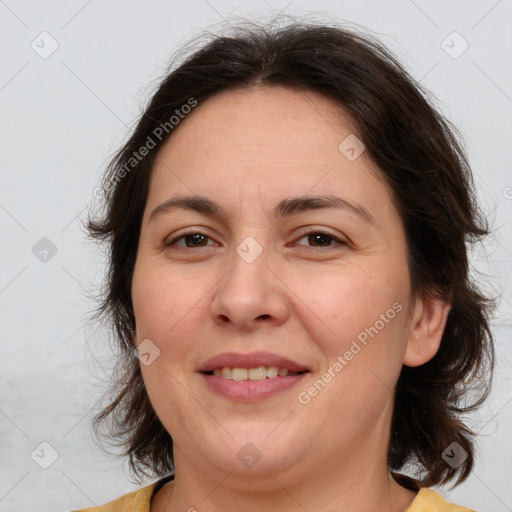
x=254 y=453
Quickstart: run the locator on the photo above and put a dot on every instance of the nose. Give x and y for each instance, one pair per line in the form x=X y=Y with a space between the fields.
x=250 y=295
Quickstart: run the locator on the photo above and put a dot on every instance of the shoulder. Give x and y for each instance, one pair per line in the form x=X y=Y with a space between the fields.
x=428 y=500
x=137 y=501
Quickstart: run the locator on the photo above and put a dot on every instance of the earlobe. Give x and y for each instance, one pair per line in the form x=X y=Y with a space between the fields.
x=426 y=330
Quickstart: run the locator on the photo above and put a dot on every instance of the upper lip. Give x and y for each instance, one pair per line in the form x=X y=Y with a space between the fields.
x=251 y=360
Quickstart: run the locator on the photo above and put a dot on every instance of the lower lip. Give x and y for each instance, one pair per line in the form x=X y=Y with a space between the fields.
x=251 y=390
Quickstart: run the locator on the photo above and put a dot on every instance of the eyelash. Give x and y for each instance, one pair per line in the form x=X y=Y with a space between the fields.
x=309 y=233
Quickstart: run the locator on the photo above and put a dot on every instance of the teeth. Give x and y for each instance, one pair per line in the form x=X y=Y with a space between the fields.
x=272 y=371
x=226 y=373
x=239 y=374
x=258 y=373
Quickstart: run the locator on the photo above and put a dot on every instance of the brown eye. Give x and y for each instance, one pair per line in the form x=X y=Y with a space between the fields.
x=321 y=239
x=190 y=240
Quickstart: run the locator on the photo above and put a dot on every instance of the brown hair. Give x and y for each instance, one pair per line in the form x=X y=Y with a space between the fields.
x=430 y=180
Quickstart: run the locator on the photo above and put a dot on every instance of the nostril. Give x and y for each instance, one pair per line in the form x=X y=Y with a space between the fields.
x=264 y=316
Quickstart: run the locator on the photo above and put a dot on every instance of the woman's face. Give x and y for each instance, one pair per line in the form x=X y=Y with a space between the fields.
x=260 y=275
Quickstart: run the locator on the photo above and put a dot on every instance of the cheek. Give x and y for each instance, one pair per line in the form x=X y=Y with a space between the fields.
x=162 y=301
x=171 y=311
x=360 y=324
x=168 y=312
x=367 y=322
x=358 y=321
x=342 y=305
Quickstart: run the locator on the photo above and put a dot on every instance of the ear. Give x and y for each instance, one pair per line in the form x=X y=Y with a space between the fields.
x=426 y=330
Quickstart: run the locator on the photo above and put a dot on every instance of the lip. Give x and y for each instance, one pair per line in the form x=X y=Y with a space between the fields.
x=251 y=360
x=248 y=390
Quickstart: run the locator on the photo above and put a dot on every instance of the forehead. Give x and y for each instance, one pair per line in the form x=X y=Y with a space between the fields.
x=264 y=141
x=270 y=124
x=263 y=118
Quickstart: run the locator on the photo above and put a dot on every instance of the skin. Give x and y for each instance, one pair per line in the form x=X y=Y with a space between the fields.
x=248 y=150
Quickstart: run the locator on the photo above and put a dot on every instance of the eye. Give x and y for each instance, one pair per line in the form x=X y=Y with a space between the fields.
x=321 y=239
x=195 y=239
x=191 y=240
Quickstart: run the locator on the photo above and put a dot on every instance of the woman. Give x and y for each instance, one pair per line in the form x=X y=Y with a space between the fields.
x=287 y=229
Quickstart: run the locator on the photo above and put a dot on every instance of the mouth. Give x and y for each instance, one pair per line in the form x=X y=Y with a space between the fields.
x=256 y=373
x=251 y=377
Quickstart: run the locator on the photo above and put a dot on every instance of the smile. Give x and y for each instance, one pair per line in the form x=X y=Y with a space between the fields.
x=257 y=373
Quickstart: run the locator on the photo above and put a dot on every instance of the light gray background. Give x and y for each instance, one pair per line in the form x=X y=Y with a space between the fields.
x=61 y=118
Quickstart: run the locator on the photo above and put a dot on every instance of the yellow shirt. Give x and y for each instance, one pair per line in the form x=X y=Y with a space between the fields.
x=427 y=500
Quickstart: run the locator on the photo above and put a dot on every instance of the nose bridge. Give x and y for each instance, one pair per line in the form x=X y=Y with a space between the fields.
x=249 y=291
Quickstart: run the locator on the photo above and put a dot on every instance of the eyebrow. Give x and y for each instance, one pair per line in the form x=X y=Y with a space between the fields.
x=284 y=208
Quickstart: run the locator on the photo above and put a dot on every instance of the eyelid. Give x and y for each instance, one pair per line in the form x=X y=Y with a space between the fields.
x=323 y=231
x=174 y=237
